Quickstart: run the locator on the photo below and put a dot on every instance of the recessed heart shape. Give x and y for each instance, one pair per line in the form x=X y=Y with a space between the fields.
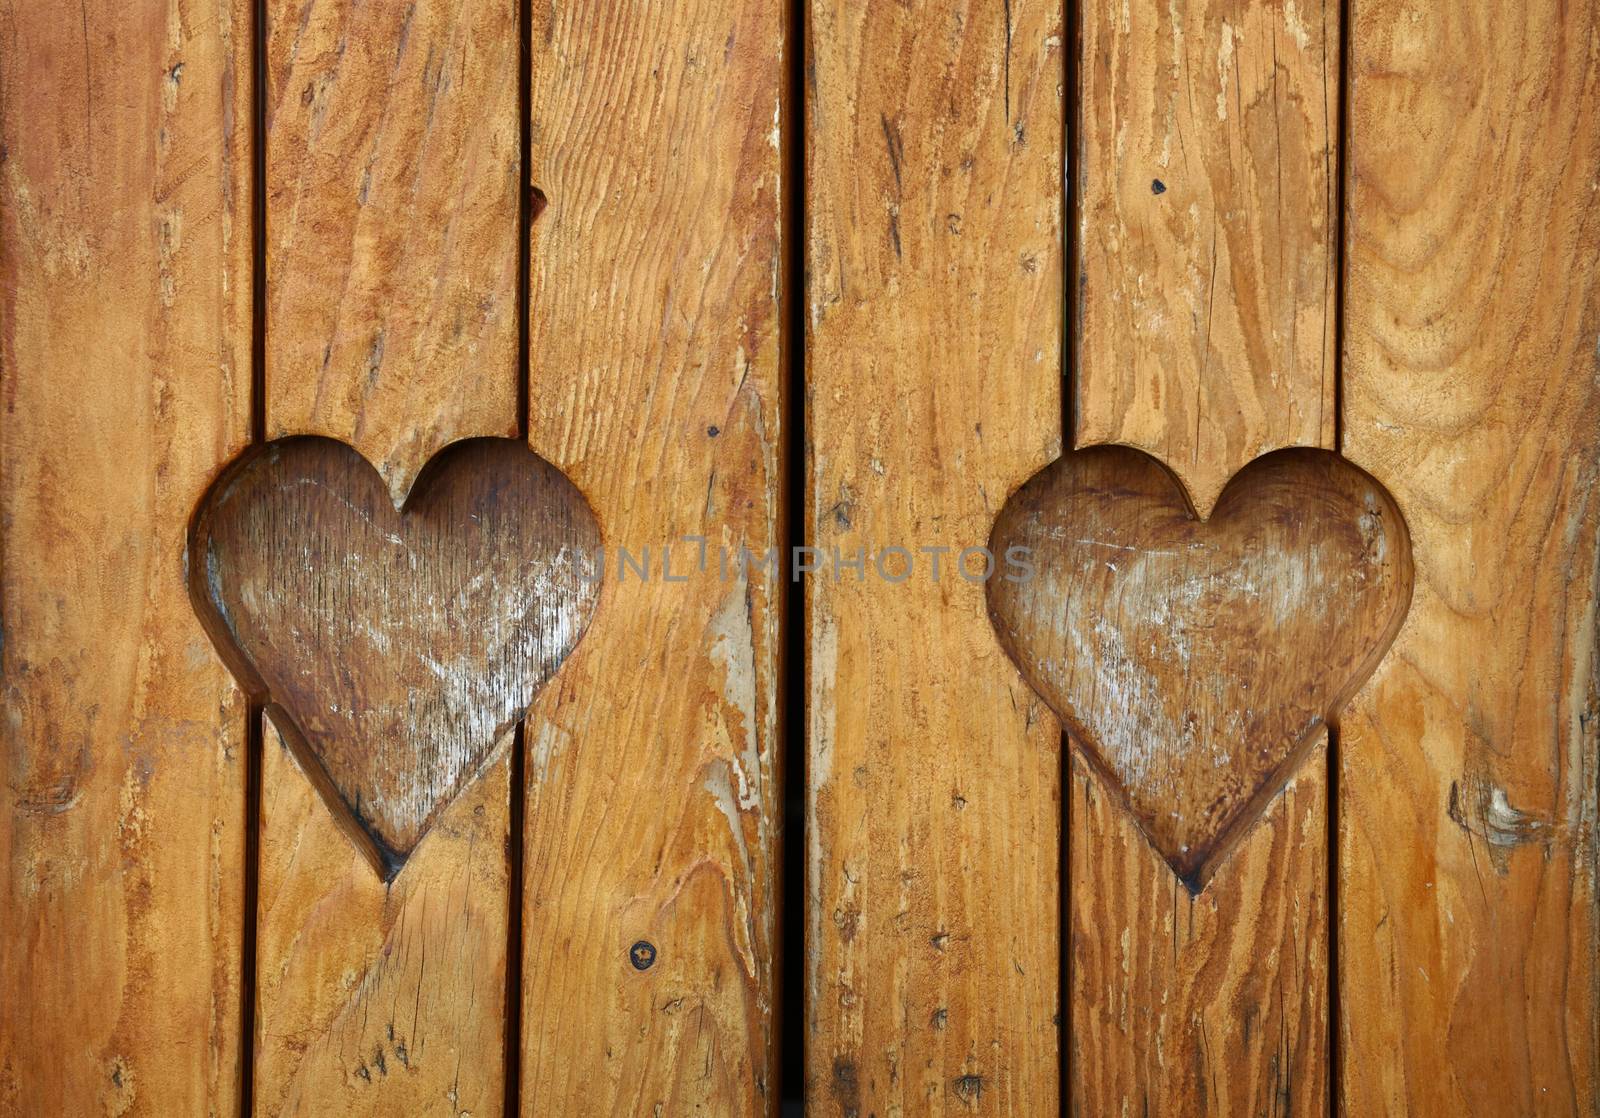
x=1195 y=661
x=394 y=647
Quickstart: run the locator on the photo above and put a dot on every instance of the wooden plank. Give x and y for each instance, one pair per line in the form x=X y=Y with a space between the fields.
x=657 y=384
x=933 y=238
x=1468 y=858
x=1206 y=230
x=391 y=212
x=125 y=374
x=1205 y=337
x=380 y=998
x=393 y=197
x=1208 y=1004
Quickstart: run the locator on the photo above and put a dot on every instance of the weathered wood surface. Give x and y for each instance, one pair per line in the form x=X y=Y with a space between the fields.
x=1469 y=918
x=395 y=648
x=1207 y=223
x=393 y=202
x=933 y=242
x=391 y=206
x=380 y=998
x=124 y=371
x=1209 y=1004
x=657 y=385
x=1196 y=662
x=1204 y=335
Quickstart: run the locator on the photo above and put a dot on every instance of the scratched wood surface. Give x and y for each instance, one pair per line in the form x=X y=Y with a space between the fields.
x=393 y=195
x=933 y=242
x=1195 y=663
x=1203 y=335
x=1206 y=223
x=394 y=648
x=391 y=325
x=657 y=385
x=1469 y=925
x=124 y=369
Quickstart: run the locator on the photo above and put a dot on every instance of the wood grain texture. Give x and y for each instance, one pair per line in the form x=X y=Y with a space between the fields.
x=393 y=184
x=124 y=375
x=1208 y=1004
x=393 y=170
x=395 y=648
x=1204 y=335
x=1470 y=919
x=1207 y=173
x=657 y=384
x=934 y=247
x=380 y=998
x=1196 y=662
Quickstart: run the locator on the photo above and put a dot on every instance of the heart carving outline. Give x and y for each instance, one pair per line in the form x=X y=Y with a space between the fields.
x=1194 y=662
x=393 y=647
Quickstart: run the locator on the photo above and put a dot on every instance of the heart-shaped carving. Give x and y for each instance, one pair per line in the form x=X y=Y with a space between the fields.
x=1194 y=662
x=394 y=647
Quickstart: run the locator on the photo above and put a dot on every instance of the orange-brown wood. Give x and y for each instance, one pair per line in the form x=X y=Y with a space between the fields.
x=1468 y=804
x=380 y=998
x=934 y=252
x=1196 y=662
x=1206 y=225
x=125 y=379
x=1208 y=1004
x=392 y=172
x=657 y=385
x=1204 y=335
x=393 y=203
x=394 y=648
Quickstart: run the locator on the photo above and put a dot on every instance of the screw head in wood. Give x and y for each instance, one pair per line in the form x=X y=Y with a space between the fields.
x=642 y=955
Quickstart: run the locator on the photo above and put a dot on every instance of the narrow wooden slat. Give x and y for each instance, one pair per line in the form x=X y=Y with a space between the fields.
x=1470 y=926
x=125 y=374
x=393 y=202
x=1206 y=230
x=656 y=288
x=934 y=312
x=1215 y=1004
x=377 y=999
x=1208 y=162
x=392 y=166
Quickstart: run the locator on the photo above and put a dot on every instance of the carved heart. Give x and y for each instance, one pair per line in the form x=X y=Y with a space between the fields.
x=394 y=648
x=1195 y=661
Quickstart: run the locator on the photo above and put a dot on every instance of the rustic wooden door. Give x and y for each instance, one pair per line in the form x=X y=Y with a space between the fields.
x=672 y=557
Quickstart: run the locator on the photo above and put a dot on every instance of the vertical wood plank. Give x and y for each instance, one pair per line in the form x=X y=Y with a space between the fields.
x=392 y=166
x=1468 y=807
x=1207 y=170
x=393 y=199
x=934 y=315
x=657 y=384
x=374 y=999
x=125 y=375
x=1206 y=230
x=1209 y=1004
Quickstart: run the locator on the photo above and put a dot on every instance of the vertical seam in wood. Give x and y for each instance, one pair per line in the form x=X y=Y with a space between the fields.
x=530 y=202
x=1071 y=292
x=258 y=222
x=1069 y=404
x=1342 y=163
x=514 y=886
x=1334 y=1077
x=254 y=739
x=791 y=946
x=1341 y=136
